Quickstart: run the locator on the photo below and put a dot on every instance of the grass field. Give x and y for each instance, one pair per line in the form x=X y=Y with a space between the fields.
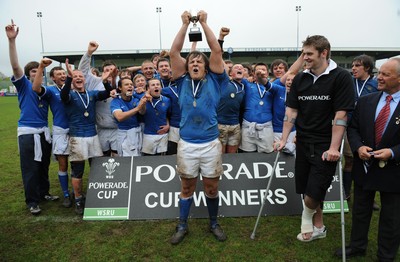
x=59 y=235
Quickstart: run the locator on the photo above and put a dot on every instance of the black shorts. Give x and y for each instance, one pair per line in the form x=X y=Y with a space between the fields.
x=312 y=175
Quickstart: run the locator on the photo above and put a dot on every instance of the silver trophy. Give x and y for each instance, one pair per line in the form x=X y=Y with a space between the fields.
x=195 y=33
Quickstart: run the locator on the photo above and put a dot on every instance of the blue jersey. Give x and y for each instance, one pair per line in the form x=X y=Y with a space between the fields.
x=57 y=107
x=279 y=106
x=172 y=93
x=166 y=82
x=232 y=94
x=363 y=88
x=199 y=123
x=258 y=102
x=156 y=114
x=81 y=109
x=120 y=104
x=34 y=109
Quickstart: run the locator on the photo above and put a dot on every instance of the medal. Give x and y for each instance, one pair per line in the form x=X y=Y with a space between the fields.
x=382 y=164
x=261 y=103
x=194 y=91
x=232 y=95
x=86 y=114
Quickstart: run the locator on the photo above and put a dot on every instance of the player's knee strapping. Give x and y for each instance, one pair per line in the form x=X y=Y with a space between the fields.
x=77 y=169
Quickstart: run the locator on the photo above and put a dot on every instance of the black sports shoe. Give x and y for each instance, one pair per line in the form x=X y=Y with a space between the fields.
x=79 y=207
x=179 y=235
x=218 y=233
x=67 y=202
x=51 y=197
x=35 y=210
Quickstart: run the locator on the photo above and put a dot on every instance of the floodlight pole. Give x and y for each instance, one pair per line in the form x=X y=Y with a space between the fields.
x=39 y=15
x=298 y=10
x=158 y=10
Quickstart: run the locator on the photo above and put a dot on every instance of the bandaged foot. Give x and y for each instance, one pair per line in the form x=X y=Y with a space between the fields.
x=307 y=227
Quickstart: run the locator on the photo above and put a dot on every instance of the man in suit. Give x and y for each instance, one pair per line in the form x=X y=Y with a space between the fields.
x=377 y=165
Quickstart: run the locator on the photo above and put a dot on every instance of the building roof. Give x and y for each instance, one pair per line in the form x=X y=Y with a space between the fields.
x=250 y=54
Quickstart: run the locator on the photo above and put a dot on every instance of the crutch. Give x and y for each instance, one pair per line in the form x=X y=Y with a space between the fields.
x=253 y=235
x=342 y=201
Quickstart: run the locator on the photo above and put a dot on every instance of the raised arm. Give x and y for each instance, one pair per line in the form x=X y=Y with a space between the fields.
x=37 y=83
x=177 y=61
x=294 y=69
x=216 y=61
x=84 y=63
x=12 y=32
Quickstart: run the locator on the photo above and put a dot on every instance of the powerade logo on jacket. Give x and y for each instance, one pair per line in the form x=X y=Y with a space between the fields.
x=315 y=98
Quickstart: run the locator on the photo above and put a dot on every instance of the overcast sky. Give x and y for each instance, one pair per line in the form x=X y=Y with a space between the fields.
x=132 y=24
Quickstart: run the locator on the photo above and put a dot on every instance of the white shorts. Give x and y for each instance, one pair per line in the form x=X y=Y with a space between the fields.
x=173 y=134
x=83 y=148
x=60 y=144
x=290 y=147
x=194 y=159
x=130 y=142
x=229 y=134
x=155 y=144
x=108 y=138
x=257 y=137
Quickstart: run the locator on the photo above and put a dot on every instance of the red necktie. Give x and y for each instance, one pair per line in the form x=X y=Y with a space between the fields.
x=381 y=120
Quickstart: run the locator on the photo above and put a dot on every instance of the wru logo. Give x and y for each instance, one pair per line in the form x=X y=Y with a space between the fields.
x=110 y=167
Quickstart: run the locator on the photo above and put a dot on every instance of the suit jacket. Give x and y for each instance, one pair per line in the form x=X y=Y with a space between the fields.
x=361 y=131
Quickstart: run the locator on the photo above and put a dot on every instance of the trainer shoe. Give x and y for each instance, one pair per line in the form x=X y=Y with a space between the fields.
x=51 y=197
x=317 y=234
x=179 y=235
x=79 y=207
x=67 y=202
x=35 y=210
x=218 y=233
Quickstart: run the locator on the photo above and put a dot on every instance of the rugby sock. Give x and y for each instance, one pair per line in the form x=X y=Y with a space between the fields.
x=212 y=206
x=63 y=177
x=184 y=208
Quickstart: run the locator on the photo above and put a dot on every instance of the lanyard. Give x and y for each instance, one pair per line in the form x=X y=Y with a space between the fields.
x=194 y=90
x=83 y=102
x=362 y=87
x=162 y=83
x=173 y=91
x=237 y=88
x=158 y=101
x=259 y=91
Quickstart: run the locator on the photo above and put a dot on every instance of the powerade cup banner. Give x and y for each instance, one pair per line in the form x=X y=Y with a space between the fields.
x=132 y=188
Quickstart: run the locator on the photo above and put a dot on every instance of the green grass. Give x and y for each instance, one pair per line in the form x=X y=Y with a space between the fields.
x=59 y=235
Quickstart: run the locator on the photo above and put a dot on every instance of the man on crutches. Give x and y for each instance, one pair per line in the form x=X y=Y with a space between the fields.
x=317 y=104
